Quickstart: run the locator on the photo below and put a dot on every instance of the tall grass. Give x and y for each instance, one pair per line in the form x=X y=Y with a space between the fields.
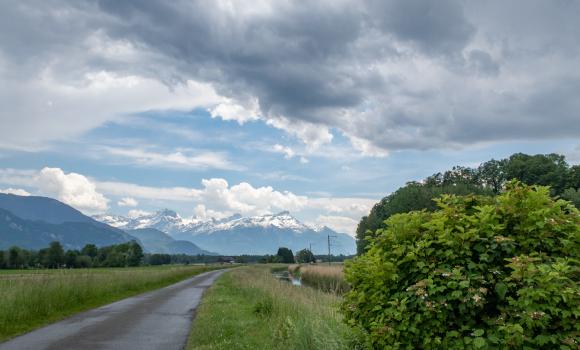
x=34 y=298
x=328 y=278
x=247 y=308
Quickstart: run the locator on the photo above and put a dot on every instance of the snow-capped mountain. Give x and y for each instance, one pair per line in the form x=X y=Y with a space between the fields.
x=240 y=235
x=165 y=220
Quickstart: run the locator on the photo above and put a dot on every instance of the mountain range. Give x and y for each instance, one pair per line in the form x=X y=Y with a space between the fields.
x=32 y=222
x=239 y=235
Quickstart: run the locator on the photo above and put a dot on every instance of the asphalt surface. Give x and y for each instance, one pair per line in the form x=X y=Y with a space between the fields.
x=160 y=319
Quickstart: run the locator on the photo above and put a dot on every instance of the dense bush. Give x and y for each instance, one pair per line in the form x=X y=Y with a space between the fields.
x=481 y=272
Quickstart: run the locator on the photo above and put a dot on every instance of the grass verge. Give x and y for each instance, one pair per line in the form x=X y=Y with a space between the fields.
x=249 y=309
x=32 y=299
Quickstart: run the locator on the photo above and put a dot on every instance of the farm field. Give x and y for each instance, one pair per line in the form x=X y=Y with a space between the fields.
x=33 y=298
x=248 y=308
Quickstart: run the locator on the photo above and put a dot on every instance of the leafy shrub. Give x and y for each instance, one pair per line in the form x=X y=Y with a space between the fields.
x=264 y=307
x=479 y=273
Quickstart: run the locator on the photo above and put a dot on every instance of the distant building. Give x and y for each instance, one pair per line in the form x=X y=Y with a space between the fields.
x=226 y=259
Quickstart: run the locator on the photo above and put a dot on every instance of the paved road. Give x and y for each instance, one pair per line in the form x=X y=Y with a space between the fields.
x=155 y=320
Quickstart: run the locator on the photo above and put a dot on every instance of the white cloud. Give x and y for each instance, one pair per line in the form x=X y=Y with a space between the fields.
x=217 y=197
x=246 y=199
x=128 y=202
x=230 y=110
x=202 y=213
x=313 y=135
x=341 y=224
x=286 y=151
x=135 y=213
x=351 y=207
x=180 y=194
x=214 y=198
x=177 y=159
x=97 y=96
x=72 y=188
x=16 y=191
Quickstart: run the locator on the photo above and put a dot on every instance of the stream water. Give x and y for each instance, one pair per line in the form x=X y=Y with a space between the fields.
x=287 y=277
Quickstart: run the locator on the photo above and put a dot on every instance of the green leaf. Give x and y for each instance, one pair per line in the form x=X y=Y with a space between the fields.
x=478 y=332
x=501 y=289
x=479 y=343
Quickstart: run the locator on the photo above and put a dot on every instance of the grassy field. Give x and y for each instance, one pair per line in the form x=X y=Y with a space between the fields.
x=249 y=309
x=32 y=298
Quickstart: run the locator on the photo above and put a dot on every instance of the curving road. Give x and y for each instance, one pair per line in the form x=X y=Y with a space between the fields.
x=160 y=319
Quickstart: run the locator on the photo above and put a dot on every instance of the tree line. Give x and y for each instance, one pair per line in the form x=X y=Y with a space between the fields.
x=131 y=254
x=55 y=256
x=489 y=178
x=118 y=255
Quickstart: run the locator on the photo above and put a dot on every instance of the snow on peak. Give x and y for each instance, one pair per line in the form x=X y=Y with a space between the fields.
x=170 y=222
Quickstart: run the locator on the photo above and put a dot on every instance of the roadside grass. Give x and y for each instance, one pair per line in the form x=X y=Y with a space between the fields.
x=33 y=298
x=247 y=308
x=328 y=278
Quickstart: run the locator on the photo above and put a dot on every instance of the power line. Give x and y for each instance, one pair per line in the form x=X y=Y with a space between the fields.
x=329 y=247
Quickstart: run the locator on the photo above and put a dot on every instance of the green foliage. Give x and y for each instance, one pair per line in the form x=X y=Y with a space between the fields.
x=305 y=256
x=413 y=196
x=546 y=170
x=489 y=178
x=285 y=255
x=572 y=195
x=479 y=273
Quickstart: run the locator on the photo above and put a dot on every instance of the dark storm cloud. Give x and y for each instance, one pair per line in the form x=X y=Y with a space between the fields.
x=390 y=75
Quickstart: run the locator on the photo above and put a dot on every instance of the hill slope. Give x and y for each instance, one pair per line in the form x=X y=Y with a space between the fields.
x=41 y=208
x=28 y=234
x=155 y=241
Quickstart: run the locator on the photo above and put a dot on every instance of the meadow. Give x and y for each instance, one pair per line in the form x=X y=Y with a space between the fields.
x=32 y=298
x=247 y=308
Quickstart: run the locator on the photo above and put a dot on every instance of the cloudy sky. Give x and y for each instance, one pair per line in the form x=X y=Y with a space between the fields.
x=317 y=107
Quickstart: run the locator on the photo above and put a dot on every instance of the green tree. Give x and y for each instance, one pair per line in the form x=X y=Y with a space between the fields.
x=90 y=250
x=572 y=195
x=479 y=273
x=15 y=260
x=492 y=175
x=134 y=254
x=540 y=169
x=305 y=256
x=285 y=255
x=574 y=177
x=54 y=255
x=70 y=258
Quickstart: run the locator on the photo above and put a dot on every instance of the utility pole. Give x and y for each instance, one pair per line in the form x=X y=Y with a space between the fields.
x=329 y=249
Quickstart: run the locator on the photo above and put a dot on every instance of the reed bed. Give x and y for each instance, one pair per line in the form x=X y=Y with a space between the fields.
x=34 y=298
x=328 y=278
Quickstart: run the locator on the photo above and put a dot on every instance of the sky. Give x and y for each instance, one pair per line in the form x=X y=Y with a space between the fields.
x=317 y=107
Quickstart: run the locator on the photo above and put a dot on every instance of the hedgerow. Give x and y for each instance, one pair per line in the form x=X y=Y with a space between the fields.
x=479 y=273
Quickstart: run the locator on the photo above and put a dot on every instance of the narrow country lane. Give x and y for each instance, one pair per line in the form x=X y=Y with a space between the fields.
x=160 y=319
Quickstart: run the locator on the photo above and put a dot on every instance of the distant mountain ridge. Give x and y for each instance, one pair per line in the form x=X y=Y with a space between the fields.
x=156 y=241
x=44 y=209
x=33 y=222
x=240 y=235
x=37 y=234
